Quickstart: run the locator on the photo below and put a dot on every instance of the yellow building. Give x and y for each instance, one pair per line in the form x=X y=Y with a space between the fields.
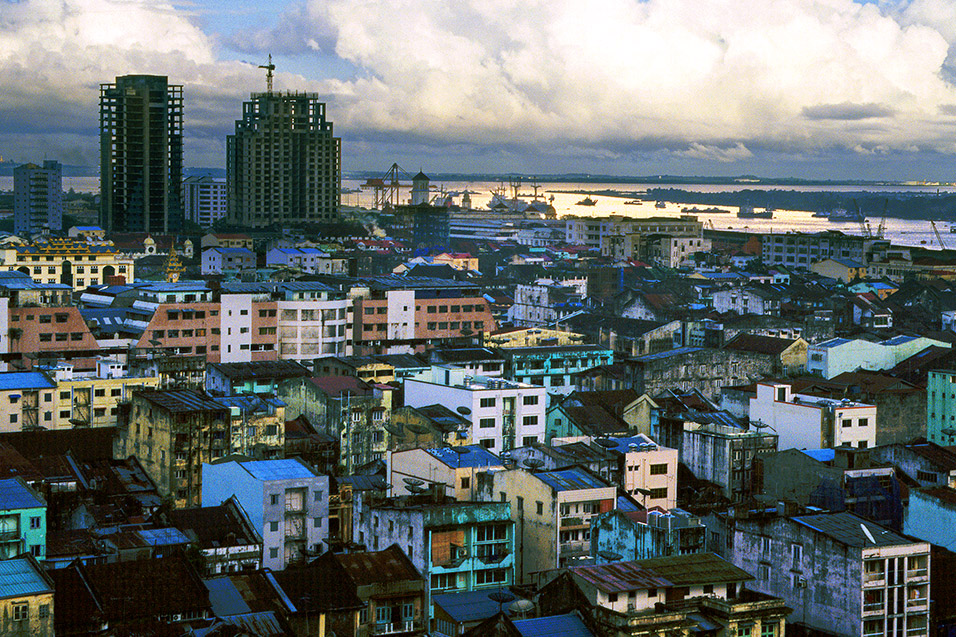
x=845 y=270
x=93 y=401
x=532 y=337
x=71 y=261
x=26 y=598
x=458 y=260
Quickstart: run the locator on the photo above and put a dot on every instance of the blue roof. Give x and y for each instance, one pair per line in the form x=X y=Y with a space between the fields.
x=680 y=351
x=163 y=537
x=14 y=494
x=834 y=342
x=571 y=479
x=822 y=455
x=469 y=606
x=554 y=626
x=623 y=444
x=899 y=340
x=224 y=597
x=287 y=469
x=24 y=380
x=476 y=456
x=19 y=577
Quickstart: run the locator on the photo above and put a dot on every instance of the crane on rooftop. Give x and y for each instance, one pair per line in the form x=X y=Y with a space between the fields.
x=270 y=67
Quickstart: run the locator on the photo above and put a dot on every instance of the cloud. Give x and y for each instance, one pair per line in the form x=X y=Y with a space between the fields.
x=847 y=111
x=538 y=81
x=733 y=153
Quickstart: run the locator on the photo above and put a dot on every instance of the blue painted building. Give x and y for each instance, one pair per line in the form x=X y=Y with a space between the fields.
x=553 y=367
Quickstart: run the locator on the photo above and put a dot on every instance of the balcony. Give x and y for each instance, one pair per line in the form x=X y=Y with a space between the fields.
x=917 y=574
x=394 y=628
x=875 y=608
x=9 y=536
x=575 y=549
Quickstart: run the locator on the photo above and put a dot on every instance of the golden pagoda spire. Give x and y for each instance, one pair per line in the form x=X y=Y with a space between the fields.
x=174 y=267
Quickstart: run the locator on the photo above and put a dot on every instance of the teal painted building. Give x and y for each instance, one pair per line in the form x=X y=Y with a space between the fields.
x=22 y=520
x=553 y=366
x=941 y=407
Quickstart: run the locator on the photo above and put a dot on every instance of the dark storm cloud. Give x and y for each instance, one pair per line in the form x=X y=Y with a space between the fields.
x=847 y=112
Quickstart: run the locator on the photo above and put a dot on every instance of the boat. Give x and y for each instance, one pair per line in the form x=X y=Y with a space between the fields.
x=746 y=211
x=660 y=204
x=844 y=215
x=634 y=202
x=587 y=201
x=706 y=211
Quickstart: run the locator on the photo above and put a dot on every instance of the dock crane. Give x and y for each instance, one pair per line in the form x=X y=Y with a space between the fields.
x=939 y=237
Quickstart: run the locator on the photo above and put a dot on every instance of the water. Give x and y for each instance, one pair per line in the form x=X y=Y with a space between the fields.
x=910 y=232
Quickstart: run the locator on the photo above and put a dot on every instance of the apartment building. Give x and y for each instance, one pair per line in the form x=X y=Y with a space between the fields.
x=22 y=520
x=38 y=198
x=504 y=414
x=452 y=468
x=552 y=511
x=840 y=573
x=173 y=433
x=204 y=199
x=803 y=421
x=286 y=501
x=456 y=546
x=595 y=232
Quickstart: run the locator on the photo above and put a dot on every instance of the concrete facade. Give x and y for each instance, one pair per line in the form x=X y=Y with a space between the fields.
x=286 y=501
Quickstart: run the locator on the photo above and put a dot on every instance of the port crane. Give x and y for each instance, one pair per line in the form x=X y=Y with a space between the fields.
x=939 y=237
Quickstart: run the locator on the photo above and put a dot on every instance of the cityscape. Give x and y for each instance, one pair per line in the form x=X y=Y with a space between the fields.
x=478 y=374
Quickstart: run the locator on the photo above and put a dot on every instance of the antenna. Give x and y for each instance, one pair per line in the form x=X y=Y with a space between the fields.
x=270 y=67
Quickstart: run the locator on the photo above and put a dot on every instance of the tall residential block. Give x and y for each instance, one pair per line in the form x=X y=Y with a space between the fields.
x=141 y=154
x=204 y=199
x=283 y=163
x=38 y=198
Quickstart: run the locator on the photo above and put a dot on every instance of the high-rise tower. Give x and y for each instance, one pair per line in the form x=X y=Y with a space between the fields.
x=141 y=154
x=38 y=198
x=283 y=164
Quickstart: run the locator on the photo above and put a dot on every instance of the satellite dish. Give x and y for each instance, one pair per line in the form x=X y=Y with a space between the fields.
x=607 y=443
x=534 y=463
x=867 y=533
x=464 y=411
x=461 y=450
x=521 y=607
x=415 y=482
x=395 y=430
x=610 y=556
x=949 y=431
x=416 y=488
x=417 y=429
x=502 y=597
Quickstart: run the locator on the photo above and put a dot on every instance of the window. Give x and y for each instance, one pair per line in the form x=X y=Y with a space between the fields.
x=487 y=402
x=520 y=503
x=36 y=550
x=21 y=612
x=768 y=629
x=45 y=318
x=490 y=576
x=317 y=523
x=764 y=572
x=708 y=589
x=529 y=421
x=765 y=545
x=35 y=522
x=46 y=338
x=529 y=400
x=486 y=423
x=540 y=507
x=745 y=631
x=846 y=422
x=797 y=551
x=465 y=482
x=528 y=441
x=612 y=597
x=44 y=611
x=488 y=443
x=658 y=494
x=862 y=422
x=659 y=469
x=317 y=496
x=273 y=526
x=273 y=553
x=274 y=499
x=444 y=581
x=652 y=592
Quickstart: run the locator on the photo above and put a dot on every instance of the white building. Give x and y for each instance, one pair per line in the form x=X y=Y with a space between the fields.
x=38 y=198
x=504 y=414
x=546 y=301
x=204 y=199
x=219 y=260
x=650 y=471
x=306 y=259
x=838 y=355
x=286 y=501
x=671 y=252
x=810 y=422
x=452 y=467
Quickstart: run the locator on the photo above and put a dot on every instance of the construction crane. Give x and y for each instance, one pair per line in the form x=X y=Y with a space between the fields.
x=270 y=67
x=881 y=229
x=864 y=224
x=939 y=237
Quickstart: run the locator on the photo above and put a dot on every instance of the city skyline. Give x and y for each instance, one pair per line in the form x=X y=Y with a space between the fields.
x=813 y=89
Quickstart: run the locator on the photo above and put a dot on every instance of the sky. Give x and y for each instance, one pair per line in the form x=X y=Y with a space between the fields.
x=821 y=89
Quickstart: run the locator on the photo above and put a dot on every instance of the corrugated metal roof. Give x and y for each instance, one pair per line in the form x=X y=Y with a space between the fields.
x=286 y=469
x=225 y=597
x=14 y=494
x=163 y=537
x=469 y=606
x=822 y=455
x=572 y=479
x=465 y=456
x=847 y=528
x=680 y=351
x=620 y=577
x=554 y=626
x=19 y=577
x=24 y=380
